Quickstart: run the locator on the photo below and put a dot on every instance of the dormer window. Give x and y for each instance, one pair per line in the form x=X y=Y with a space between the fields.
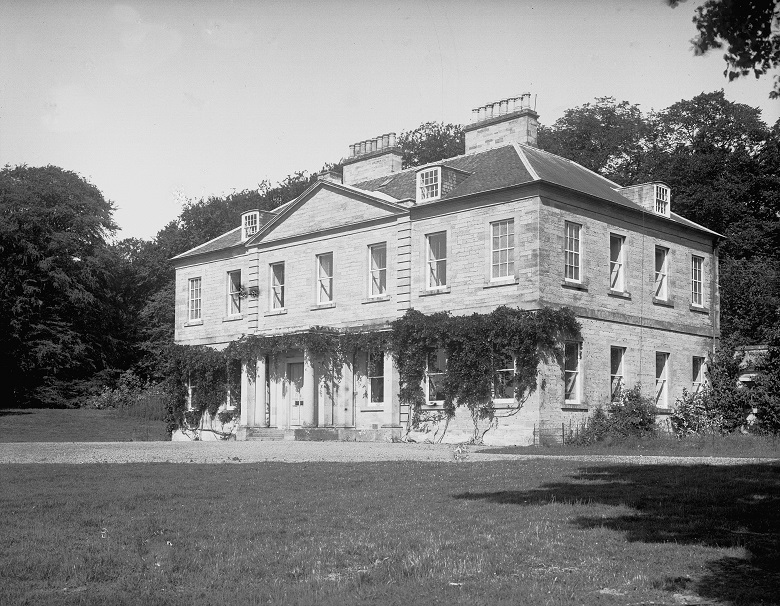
x=662 y=200
x=250 y=224
x=429 y=184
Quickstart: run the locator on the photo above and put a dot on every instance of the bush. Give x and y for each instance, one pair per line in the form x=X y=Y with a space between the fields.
x=694 y=413
x=632 y=416
x=131 y=398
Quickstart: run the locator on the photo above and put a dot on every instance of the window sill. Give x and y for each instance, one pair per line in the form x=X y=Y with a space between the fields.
x=330 y=305
x=497 y=283
x=276 y=312
x=504 y=403
x=194 y=323
x=379 y=299
x=663 y=411
x=619 y=294
x=372 y=410
x=575 y=406
x=583 y=286
x=435 y=291
x=699 y=310
x=233 y=318
x=433 y=406
x=663 y=302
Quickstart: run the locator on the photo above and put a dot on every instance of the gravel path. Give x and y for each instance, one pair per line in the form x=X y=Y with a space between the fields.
x=293 y=452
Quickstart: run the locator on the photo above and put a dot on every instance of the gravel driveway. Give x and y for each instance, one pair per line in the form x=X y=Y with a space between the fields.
x=291 y=452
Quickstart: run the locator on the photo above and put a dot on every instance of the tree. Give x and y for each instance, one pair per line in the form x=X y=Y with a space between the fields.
x=749 y=30
x=607 y=136
x=431 y=142
x=57 y=307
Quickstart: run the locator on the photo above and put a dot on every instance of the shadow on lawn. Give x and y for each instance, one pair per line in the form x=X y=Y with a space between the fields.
x=736 y=506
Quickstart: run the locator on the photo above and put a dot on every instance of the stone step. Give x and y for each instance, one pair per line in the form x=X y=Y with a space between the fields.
x=264 y=433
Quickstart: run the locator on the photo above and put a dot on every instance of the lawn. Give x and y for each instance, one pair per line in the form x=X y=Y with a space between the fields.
x=76 y=425
x=525 y=532
x=714 y=445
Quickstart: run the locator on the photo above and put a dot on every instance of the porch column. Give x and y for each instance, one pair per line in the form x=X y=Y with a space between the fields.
x=244 y=395
x=259 y=418
x=309 y=415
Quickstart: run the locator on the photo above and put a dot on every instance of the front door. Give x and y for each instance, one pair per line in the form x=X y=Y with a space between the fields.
x=295 y=378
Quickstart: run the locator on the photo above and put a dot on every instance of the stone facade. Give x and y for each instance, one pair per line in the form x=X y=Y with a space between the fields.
x=344 y=221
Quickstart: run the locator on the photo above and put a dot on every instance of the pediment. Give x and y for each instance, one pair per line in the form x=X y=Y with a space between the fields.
x=327 y=206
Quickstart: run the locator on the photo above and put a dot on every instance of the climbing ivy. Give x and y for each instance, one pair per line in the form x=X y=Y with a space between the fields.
x=476 y=346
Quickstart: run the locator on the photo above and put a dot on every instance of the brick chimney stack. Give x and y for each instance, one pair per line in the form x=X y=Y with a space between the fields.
x=372 y=158
x=502 y=122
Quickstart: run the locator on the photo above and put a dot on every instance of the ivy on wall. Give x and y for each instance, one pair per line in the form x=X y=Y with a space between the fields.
x=476 y=346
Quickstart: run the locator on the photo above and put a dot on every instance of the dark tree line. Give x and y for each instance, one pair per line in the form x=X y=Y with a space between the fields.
x=77 y=309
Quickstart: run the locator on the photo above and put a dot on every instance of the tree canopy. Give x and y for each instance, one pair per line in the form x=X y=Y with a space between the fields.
x=750 y=31
x=58 y=311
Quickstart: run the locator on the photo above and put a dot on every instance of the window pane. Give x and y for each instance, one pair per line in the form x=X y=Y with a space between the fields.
x=437 y=260
x=277 y=285
x=616 y=281
x=571 y=371
x=572 y=251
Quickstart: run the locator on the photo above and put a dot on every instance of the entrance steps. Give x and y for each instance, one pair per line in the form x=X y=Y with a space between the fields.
x=265 y=433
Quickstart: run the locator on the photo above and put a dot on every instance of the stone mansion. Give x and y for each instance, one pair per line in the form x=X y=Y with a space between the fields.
x=504 y=224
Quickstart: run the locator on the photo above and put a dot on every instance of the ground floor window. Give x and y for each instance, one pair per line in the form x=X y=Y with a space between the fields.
x=376 y=377
x=572 y=374
x=504 y=377
x=617 y=380
x=233 y=399
x=697 y=379
x=434 y=377
x=661 y=379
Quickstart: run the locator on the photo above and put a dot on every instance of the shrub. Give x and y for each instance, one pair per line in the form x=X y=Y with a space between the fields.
x=694 y=413
x=632 y=416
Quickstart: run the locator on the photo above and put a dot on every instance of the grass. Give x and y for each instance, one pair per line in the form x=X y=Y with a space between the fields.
x=525 y=532
x=734 y=445
x=76 y=425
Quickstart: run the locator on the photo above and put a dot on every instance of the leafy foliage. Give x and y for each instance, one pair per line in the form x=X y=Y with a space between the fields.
x=749 y=30
x=431 y=142
x=633 y=416
x=476 y=346
x=58 y=314
x=607 y=136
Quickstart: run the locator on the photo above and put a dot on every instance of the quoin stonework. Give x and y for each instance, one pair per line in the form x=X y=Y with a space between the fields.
x=504 y=224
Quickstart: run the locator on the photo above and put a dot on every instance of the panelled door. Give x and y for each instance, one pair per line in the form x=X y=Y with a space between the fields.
x=295 y=393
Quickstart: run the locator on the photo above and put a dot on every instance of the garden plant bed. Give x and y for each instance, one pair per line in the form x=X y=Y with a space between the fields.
x=535 y=532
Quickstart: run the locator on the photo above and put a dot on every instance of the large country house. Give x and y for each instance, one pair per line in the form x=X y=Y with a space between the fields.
x=504 y=224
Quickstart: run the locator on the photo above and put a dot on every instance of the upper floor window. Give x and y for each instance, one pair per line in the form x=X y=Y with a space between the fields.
x=325 y=278
x=251 y=223
x=277 y=286
x=697 y=378
x=195 y=299
x=662 y=200
x=616 y=355
x=234 y=292
x=661 y=379
x=437 y=259
x=504 y=377
x=502 y=263
x=572 y=252
x=429 y=184
x=697 y=264
x=434 y=377
x=661 y=273
x=378 y=269
x=376 y=377
x=571 y=371
x=617 y=280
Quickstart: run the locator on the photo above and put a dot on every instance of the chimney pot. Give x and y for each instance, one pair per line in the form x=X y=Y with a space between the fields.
x=392 y=139
x=502 y=107
x=385 y=140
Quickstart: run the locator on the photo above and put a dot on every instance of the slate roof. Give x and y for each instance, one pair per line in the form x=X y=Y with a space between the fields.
x=497 y=168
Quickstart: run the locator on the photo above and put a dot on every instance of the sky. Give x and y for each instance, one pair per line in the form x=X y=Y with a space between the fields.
x=159 y=102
